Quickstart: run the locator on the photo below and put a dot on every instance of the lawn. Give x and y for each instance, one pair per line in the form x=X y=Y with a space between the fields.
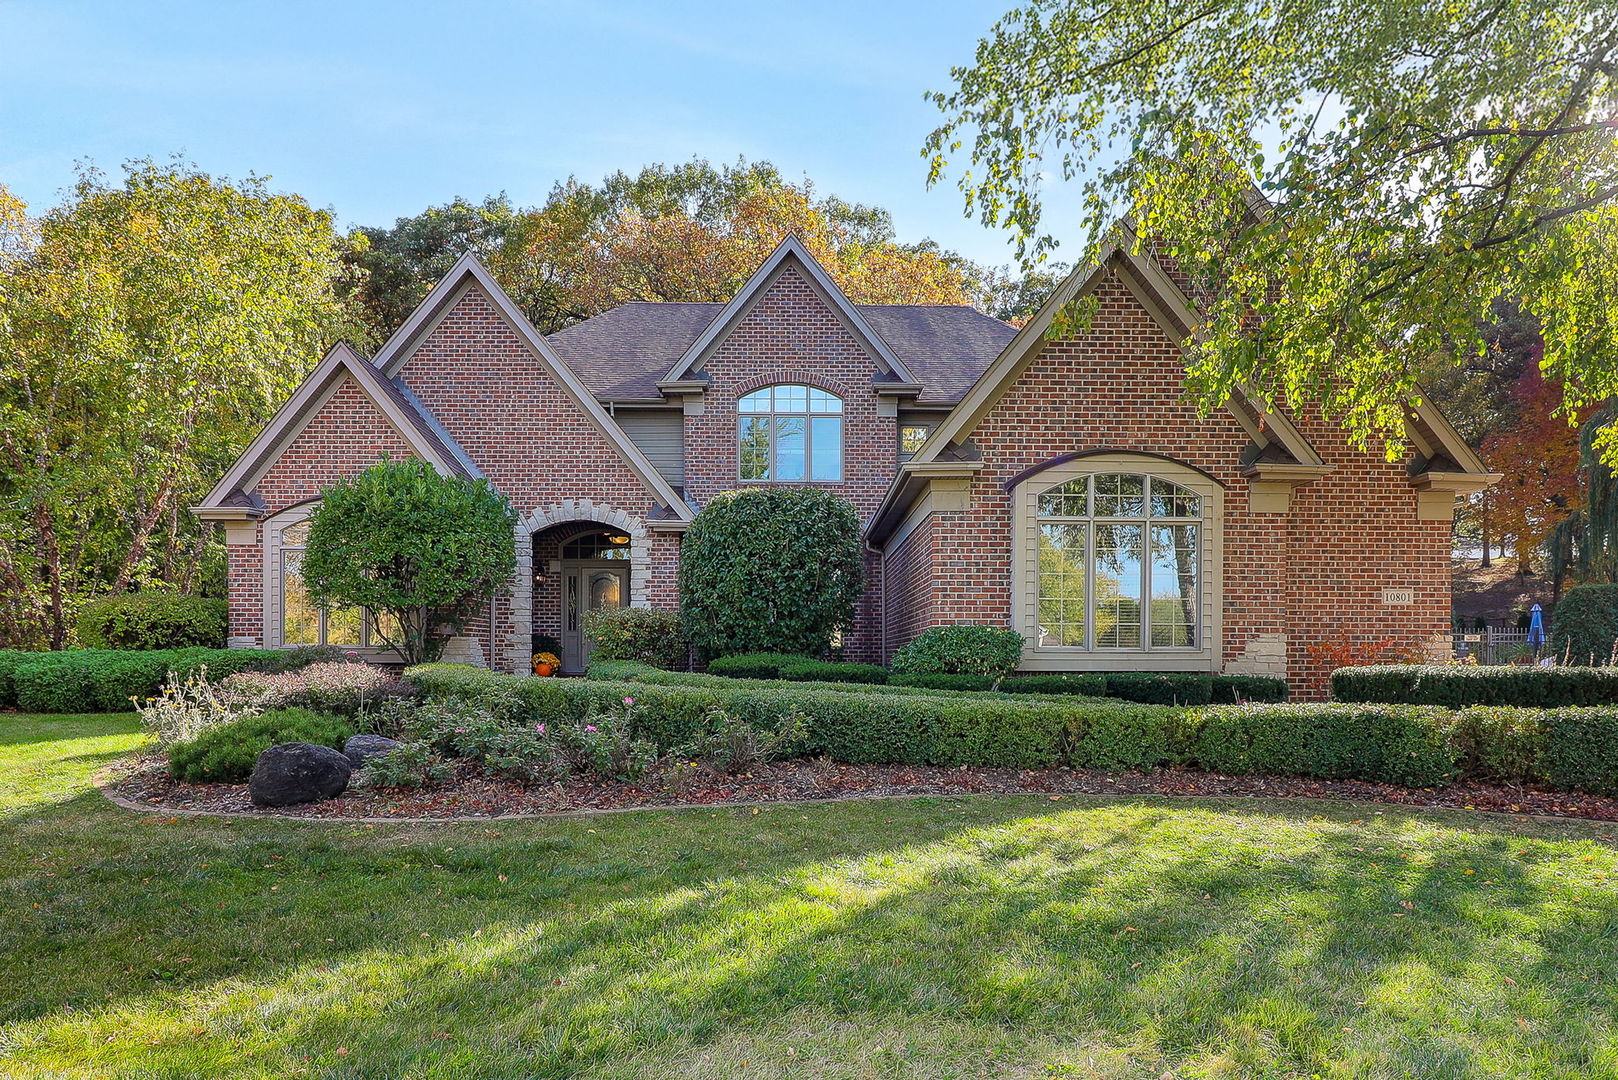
x=1010 y=936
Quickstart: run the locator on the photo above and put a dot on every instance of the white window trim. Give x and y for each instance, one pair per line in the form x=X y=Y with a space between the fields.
x=1025 y=571
x=809 y=416
x=274 y=616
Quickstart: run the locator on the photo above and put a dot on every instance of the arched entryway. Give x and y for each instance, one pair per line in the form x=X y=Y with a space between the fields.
x=573 y=559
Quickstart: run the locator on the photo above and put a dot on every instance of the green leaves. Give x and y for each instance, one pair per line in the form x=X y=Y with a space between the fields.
x=420 y=547
x=1421 y=162
x=770 y=570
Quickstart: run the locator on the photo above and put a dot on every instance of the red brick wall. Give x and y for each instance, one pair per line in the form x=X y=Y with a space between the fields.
x=791 y=335
x=524 y=432
x=1316 y=574
x=344 y=438
x=910 y=581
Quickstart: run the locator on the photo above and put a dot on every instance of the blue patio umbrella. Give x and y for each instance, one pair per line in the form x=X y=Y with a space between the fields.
x=1536 y=626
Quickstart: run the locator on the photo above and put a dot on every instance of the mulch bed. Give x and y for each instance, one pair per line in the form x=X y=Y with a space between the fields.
x=474 y=795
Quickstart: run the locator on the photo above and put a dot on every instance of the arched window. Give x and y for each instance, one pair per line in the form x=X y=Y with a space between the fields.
x=302 y=621
x=1118 y=562
x=791 y=433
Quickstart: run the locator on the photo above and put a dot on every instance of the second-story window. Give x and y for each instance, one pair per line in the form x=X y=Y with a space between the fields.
x=791 y=433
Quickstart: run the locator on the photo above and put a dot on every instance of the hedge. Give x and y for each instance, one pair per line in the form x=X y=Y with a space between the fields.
x=1568 y=748
x=1458 y=685
x=1166 y=688
x=103 y=680
x=847 y=722
x=1392 y=744
x=152 y=620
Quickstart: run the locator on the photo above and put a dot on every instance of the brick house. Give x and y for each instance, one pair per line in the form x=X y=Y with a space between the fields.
x=1060 y=485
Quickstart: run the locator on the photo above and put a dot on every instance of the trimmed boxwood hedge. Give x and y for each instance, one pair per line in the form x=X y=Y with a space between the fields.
x=1457 y=685
x=152 y=620
x=1568 y=748
x=103 y=680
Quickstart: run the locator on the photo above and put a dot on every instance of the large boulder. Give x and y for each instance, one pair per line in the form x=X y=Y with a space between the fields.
x=362 y=748
x=298 y=772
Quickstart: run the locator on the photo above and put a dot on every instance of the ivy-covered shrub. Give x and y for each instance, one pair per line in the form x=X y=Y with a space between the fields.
x=770 y=570
x=1585 y=628
x=152 y=620
x=648 y=635
x=226 y=753
x=961 y=649
x=1393 y=744
x=1459 y=685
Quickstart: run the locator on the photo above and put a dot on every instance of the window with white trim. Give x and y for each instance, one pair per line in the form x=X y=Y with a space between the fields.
x=790 y=433
x=1119 y=563
x=305 y=623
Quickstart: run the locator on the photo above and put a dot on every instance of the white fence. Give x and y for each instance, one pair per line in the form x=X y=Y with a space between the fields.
x=1494 y=645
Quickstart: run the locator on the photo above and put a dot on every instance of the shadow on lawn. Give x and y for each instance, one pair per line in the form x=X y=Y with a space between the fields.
x=1248 y=938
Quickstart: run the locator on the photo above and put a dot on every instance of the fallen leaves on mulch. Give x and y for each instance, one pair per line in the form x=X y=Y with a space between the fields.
x=473 y=794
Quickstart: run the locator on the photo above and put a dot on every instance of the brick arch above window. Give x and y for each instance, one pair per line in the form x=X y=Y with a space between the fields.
x=791 y=377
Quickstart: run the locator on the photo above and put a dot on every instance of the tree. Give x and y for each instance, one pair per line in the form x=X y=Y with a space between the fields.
x=696 y=232
x=146 y=331
x=770 y=570
x=1538 y=457
x=418 y=550
x=397 y=267
x=1418 y=165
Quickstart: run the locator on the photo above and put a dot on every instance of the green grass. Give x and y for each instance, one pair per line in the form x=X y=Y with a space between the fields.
x=1017 y=937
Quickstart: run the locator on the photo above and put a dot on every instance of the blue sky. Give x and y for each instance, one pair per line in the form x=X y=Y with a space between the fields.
x=378 y=110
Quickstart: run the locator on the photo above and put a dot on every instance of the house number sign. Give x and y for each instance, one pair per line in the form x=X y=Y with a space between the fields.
x=1398 y=596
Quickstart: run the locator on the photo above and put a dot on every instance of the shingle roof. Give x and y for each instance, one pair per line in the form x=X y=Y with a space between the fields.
x=622 y=353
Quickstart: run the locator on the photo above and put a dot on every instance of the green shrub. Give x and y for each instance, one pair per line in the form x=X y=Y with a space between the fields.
x=732 y=745
x=103 y=680
x=1459 y=685
x=1499 y=744
x=226 y=753
x=827 y=671
x=1394 y=744
x=999 y=732
x=753 y=665
x=961 y=649
x=1585 y=628
x=647 y=635
x=1090 y=685
x=776 y=569
x=10 y=661
x=1581 y=750
x=1161 y=688
x=1118 y=736
x=1235 y=689
x=152 y=620
x=944 y=682
x=411 y=765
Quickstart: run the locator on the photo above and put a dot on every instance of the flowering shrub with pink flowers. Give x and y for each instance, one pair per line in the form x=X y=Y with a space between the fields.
x=347 y=688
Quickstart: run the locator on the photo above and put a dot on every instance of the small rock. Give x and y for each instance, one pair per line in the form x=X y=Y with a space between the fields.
x=362 y=748
x=298 y=772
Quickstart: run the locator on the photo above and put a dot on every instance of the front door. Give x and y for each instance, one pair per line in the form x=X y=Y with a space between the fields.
x=585 y=589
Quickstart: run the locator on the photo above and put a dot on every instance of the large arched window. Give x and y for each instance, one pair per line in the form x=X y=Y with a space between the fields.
x=302 y=622
x=1117 y=562
x=791 y=433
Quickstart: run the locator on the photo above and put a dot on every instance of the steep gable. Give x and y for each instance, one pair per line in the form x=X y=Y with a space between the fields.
x=347 y=435
x=521 y=415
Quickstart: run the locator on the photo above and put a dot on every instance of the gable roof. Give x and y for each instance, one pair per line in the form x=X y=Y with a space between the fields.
x=624 y=352
x=789 y=252
x=469 y=273
x=1443 y=452
x=407 y=415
